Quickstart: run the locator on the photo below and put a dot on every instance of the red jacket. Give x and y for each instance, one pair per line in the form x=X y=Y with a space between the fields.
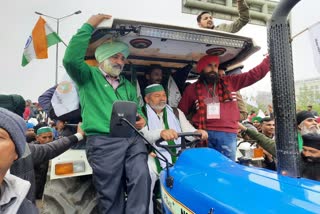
x=229 y=113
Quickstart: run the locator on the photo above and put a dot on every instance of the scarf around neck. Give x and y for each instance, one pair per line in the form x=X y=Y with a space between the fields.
x=224 y=95
x=170 y=121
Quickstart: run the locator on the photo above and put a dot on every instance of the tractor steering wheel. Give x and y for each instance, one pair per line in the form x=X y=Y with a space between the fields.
x=183 y=144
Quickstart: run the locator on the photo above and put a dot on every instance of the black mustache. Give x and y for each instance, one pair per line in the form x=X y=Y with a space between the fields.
x=310 y=159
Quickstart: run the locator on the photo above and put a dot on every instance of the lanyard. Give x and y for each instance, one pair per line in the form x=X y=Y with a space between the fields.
x=213 y=94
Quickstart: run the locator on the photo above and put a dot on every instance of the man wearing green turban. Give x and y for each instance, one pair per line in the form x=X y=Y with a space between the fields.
x=115 y=162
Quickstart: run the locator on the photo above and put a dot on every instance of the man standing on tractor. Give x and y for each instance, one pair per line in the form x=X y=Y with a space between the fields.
x=118 y=164
x=205 y=19
x=218 y=111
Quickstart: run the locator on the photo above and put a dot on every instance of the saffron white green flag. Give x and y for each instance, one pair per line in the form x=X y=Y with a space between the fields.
x=314 y=32
x=37 y=44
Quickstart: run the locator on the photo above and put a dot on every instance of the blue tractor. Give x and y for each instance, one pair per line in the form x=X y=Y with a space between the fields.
x=204 y=181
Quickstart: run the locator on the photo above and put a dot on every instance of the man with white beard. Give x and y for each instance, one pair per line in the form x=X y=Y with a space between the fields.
x=120 y=163
x=163 y=120
x=307 y=124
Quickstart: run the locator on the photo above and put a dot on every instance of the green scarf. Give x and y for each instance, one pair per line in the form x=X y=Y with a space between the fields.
x=170 y=142
x=300 y=142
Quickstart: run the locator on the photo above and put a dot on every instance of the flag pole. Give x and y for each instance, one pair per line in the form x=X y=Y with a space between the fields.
x=304 y=30
x=57 y=45
x=57 y=54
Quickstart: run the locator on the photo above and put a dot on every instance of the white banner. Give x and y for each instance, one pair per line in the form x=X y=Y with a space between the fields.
x=139 y=96
x=251 y=101
x=314 y=33
x=65 y=98
x=174 y=95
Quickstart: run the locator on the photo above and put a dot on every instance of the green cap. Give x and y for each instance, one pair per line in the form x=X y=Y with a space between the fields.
x=44 y=130
x=153 y=88
x=109 y=49
x=256 y=119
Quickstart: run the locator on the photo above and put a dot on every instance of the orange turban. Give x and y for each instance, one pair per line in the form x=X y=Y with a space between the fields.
x=205 y=61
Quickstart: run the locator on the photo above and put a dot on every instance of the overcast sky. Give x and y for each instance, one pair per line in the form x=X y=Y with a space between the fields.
x=18 y=20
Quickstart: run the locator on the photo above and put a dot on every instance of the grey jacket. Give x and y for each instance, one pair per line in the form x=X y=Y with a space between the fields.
x=37 y=154
x=13 y=196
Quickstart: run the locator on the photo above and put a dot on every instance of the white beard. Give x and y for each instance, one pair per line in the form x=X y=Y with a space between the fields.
x=311 y=130
x=158 y=107
x=111 y=69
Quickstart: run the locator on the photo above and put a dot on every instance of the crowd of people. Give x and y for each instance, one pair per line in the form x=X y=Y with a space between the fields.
x=125 y=170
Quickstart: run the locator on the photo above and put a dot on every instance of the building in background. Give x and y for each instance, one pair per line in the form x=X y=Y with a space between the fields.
x=308 y=93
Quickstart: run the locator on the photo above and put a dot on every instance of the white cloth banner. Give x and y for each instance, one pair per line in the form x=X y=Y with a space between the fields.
x=65 y=98
x=261 y=114
x=314 y=33
x=139 y=96
x=174 y=95
x=251 y=101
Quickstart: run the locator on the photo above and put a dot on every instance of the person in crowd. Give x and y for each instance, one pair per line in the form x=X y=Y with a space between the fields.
x=256 y=122
x=165 y=120
x=13 y=190
x=249 y=132
x=30 y=134
x=27 y=111
x=13 y=102
x=309 y=109
x=154 y=75
x=205 y=19
x=62 y=129
x=218 y=111
x=307 y=124
x=41 y=115
x=117 y=163
x=36 y=154
x=44 y=135
x=311 y=157
x=44 y=149
x=270 y=111
x=252 y=115
x=267 y=127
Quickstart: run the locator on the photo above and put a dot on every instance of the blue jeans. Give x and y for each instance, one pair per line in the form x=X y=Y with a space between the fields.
x=223 y=142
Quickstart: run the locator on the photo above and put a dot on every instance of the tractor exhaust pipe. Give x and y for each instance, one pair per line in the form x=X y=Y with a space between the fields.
x=283 y=94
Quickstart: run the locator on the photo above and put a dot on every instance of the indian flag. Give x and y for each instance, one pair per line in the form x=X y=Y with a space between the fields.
x=37 y=44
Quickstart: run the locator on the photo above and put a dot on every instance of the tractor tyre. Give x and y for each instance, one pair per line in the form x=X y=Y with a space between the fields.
x=73 y=195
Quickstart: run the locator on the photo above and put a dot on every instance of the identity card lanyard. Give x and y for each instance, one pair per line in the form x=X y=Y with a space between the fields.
x=213 y=104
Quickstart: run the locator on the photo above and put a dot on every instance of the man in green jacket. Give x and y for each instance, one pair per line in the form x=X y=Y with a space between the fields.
x=205 y=20
x=118 y=164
